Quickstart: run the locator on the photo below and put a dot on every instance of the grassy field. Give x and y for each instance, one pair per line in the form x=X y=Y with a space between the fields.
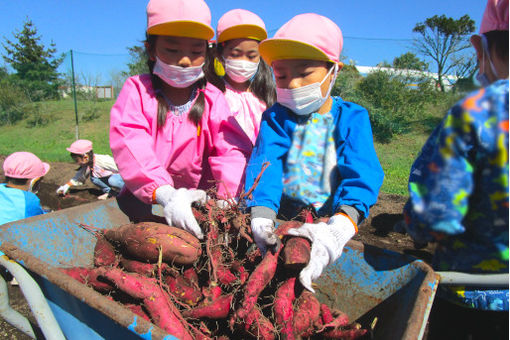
x=50 y=141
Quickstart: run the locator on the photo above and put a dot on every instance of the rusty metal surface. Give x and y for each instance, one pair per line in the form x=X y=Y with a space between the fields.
x=369 y=282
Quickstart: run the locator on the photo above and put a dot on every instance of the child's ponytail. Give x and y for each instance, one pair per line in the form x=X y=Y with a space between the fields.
x=197 y=110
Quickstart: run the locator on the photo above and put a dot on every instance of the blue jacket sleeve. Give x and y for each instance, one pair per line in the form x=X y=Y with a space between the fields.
x=33 y=205
x=361 y=174
x=272 y=145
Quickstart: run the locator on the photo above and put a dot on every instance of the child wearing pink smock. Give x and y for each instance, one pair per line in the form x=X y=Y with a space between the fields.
x=239 y=72
x=171 y=133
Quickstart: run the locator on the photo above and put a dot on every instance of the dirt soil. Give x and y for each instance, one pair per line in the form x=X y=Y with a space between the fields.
x=377 y=230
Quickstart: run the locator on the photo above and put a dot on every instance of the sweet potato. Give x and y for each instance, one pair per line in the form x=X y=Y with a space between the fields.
x=340 y=319
x=326 y=314
x=89 y=277
x=138 y=310
x=282 y=229
x=307 y=314
x=161 y=310
x=191 y=275
x=142 y=268
x=104 y=253
x=256 y=283
x=296 y=253
x=283 y=308
x=345 y=334
x=212 y=292
x=184 y=289
x=143 y=241
x=259 y=326
x=215 y=310
x=225 y=276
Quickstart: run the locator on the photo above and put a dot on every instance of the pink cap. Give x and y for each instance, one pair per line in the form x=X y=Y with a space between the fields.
x=180 y=18
x=80 y=147
x=240 y=23
x=306 y=36
x=495 y=17
x=25 y=165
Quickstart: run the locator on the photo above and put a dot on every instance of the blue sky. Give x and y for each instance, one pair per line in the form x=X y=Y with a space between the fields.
x=99 y=31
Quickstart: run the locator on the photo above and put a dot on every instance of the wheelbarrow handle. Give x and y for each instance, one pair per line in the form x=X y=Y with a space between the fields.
x=36 y=300
x=466 y=279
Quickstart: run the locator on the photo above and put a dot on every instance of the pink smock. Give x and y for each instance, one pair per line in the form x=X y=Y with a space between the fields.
x=247 y=109
x=180 y=153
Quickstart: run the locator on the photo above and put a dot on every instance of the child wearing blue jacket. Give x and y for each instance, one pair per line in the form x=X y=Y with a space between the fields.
x=23 y=172
x=319 y=148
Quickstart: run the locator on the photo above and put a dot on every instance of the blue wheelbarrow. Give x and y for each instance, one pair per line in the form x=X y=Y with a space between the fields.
x=389 y=293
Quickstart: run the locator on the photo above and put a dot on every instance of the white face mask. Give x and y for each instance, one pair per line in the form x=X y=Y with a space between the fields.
x=482 y=78
x=240 y=71
x=306 y=99
x=177 y=76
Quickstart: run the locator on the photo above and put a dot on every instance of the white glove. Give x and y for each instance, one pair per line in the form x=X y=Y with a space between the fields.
x=62 y=190
x=177 y=207
x=263 y=233
x=328 y=241
x=224 y=204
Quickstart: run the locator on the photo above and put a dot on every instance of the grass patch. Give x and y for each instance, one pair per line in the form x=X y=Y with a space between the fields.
x=50 y=141
x=396 y=159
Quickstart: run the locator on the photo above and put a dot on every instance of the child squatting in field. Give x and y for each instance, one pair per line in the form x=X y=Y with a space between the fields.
x=101 y=169
x=319 y=148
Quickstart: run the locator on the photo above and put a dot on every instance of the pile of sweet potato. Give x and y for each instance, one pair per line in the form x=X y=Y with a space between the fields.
x=219 y=288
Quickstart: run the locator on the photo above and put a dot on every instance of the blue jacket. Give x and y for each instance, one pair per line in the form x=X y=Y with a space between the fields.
x=17 y=204
x=357 y=163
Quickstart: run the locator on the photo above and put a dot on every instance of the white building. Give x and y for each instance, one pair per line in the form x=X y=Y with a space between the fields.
x=448 y=81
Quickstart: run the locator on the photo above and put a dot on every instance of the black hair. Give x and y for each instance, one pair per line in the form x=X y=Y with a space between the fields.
x=197 y=110
x=262 y=85
x=16 y=181
x=498 y=39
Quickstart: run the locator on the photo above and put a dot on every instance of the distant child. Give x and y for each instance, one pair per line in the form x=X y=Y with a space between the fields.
x=101 y=169
x=319 y=148
x=171 y=133
x=458 y=195
x=239 y=72
x=23 y=174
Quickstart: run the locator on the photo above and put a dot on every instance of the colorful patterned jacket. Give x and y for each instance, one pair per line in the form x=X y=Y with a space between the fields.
x=458 y=185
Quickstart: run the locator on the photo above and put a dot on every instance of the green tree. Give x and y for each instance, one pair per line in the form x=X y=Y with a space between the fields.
x=138 y=64
x=410 y=61
x=346 y=81
x=441 y=38
x=35 y=65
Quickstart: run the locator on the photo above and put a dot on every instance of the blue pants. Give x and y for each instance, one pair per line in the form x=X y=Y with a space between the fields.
x=106 y=183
